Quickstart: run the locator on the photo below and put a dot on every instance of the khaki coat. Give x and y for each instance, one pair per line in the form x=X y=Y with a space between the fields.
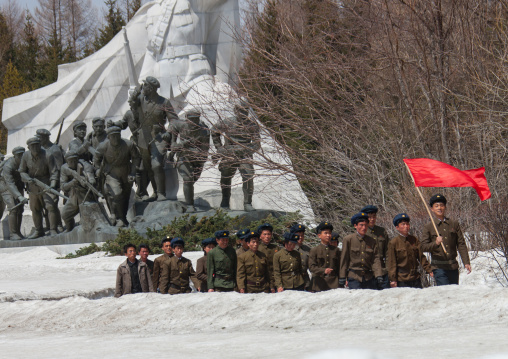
x=157 y=268
x=176 y=275
x=253 y=273
x=288 y=269
x=123 y=279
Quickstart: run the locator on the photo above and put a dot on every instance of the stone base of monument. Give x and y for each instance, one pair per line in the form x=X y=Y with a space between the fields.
x=141 y=216
x=96 y=228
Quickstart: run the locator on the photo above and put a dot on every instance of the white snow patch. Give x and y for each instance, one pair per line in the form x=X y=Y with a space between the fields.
x=53 y=307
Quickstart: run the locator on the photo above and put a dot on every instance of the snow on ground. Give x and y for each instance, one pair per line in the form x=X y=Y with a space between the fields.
x=53 y=307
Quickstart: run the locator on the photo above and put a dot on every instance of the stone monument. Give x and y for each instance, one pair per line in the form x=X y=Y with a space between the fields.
x=190 y=47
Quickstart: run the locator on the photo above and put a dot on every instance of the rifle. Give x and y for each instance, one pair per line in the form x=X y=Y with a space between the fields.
x=60 y=131
x=45 y=188
x=83 y=181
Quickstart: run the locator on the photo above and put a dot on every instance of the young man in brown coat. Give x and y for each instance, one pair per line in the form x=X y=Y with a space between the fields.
x=324 y=261
x=360 y=266
x=303 y=249
x=266 y=246
x=444 y=266
x=177 y=273
x=253 y=275
x=132 y=275
x=288 y=266
x=404 y=256
x=207 y=244
x=157 y=263
x=381 y=237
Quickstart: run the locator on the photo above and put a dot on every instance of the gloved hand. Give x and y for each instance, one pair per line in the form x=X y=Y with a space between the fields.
x=342 y=282
x=380 y=282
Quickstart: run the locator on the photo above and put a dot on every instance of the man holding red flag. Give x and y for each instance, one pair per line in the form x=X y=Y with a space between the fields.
x=444 y=264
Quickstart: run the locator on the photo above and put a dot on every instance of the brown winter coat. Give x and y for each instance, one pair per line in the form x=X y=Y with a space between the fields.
x=123 y=279
x=320 y=258
x=453 y=240
x=253 y=272
x=201 y=274
x=157 y=268
x=404 y=257
x=360 y=258
x=288 y=269
x=269 y=250
x=176 y=275
x=382 y=239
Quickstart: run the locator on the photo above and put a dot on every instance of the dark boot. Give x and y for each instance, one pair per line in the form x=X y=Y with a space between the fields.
x=226 y=196
x=160 y=182
x=69 y=225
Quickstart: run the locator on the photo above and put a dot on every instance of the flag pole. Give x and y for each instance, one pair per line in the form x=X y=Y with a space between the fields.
x=426 y=207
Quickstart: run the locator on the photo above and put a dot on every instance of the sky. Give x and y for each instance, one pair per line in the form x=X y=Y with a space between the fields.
x=32 y=4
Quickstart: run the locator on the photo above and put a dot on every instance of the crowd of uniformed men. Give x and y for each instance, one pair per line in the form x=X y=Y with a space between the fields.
x=368 y=259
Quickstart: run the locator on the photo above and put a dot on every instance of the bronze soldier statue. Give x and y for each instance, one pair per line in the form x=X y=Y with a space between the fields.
x=117 y=159
x=79 y=144
x=11 y=188
x=98 y=135
x=73 y=176
x=40 y=172
x=241 y=140
x=150 y=111
x=56 y=151
x=190 y=141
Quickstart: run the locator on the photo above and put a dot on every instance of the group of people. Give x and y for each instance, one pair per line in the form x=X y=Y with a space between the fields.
x=104 y=162
x=368 y=259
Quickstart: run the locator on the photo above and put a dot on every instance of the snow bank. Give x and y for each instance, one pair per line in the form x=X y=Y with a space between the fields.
x=52 y=307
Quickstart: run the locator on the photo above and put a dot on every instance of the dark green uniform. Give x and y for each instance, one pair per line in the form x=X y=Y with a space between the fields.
x=221 y=267
x=269 y=250
x=176 y=275
x=288 y=269
x=252 y=273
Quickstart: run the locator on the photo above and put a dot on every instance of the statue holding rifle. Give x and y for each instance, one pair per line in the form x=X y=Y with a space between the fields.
x=41 y=174
x=78 y=179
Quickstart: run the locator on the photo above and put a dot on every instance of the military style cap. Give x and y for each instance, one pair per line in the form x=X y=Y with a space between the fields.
x=335 y=236
x=401 y=217
x=369 y=209
x=265 y=226
x=359 y=217
x=251 y=235
x=113 y=129
x=18 y=149
x=221 y=234
x=291 y=237
x=42 y=132
x=177 y=241
x=78 y=124
x=98 y=120
x=437 y=198
x=152 y=81
x=71 y=154
x=242 y=233
x=33 y=140
x=165 y=239
x=208 y=241
x=295 y=228
x=324 y=225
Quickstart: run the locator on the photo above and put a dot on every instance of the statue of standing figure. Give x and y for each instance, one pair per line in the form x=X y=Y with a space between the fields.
x=241 y=140
x=150 y=112
x=190 y=142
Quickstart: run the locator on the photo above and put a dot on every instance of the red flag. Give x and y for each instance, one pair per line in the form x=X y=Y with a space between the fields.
x=432 y=173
